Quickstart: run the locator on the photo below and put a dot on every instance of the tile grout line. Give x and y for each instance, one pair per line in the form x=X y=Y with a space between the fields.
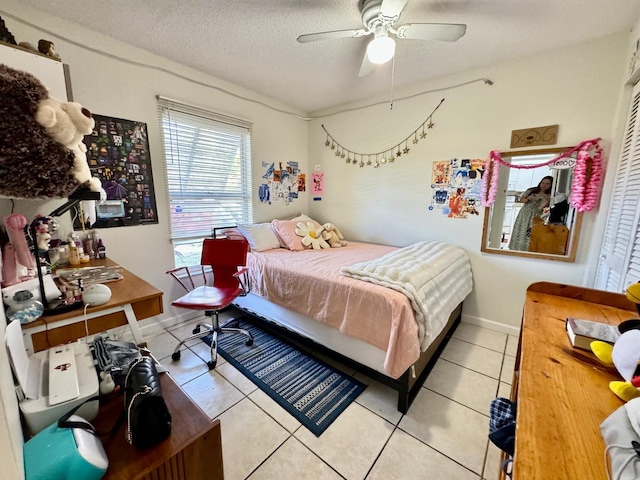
x=291 y=435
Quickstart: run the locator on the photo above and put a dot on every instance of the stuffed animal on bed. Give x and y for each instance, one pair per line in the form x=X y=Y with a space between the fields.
x=33 y=163
x=311 y=235
x=333 y=236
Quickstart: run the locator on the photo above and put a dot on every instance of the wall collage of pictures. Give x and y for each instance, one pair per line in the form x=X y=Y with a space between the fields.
x=118 y=154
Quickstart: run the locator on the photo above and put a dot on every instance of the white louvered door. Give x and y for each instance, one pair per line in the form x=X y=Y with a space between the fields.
x=619 y=263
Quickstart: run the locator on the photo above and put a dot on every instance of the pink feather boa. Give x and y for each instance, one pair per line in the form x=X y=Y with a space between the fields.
x=587 y=175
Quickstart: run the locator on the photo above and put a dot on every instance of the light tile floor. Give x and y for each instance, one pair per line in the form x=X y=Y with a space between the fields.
x=443 y=436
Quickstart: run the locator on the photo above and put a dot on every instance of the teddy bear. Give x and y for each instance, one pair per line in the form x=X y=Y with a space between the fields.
x=68 y=123
x=33 y=163
x=332 y=236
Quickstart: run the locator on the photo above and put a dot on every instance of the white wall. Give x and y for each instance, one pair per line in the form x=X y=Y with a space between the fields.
x=107 y=86
x=577 y=88
x=622 y=112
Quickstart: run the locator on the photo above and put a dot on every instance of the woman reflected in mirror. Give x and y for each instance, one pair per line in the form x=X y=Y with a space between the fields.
x=534 y=200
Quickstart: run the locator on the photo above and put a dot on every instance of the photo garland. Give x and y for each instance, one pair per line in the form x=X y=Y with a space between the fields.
x=118 y=154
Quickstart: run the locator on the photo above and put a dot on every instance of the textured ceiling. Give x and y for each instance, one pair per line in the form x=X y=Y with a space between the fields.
x=252 y=43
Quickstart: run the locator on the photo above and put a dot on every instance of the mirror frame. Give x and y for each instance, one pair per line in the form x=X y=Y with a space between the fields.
x=573 y=239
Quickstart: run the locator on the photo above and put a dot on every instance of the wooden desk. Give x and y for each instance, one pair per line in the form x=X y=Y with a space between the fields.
x=193 y=451
x=562 y=393
x=132 y=299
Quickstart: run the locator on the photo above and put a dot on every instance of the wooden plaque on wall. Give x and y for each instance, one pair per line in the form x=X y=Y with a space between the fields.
x=529 y=137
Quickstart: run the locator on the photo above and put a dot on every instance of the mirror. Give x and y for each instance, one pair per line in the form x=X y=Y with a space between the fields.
x=529 y=217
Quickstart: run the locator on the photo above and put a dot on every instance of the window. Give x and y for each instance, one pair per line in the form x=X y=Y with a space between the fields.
x=208 y=173
x=619 y=263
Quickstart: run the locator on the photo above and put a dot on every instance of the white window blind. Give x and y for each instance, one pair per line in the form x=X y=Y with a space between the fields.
x=619 y=263
x=208 y=170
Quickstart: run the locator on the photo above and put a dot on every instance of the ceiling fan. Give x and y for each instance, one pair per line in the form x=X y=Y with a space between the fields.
x=379 y=18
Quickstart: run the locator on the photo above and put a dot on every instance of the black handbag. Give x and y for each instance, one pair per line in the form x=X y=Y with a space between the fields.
x=147 y=416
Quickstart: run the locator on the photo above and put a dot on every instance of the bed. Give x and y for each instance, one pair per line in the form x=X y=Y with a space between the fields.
x=358 y=303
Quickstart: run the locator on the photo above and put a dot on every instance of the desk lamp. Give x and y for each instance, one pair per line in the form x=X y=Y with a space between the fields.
x=59 y=305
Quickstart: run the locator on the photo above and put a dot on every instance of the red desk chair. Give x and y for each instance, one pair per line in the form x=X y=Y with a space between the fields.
x=221 y=282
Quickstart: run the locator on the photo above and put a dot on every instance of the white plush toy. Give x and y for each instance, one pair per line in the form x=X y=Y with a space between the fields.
x=333 y=236
x=311 y=236
x=67 y=123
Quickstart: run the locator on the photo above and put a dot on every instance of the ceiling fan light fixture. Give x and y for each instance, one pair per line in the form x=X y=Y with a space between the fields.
x=381 y=49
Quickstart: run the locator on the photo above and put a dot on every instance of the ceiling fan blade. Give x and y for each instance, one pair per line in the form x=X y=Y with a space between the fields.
x=391 y=9
x=367 y=66
x=447 y=32
x=314 y=37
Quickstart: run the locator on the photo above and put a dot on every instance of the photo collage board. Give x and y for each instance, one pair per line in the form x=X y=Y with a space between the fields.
x=281 y=182
x=118 y=154
x=456 y=185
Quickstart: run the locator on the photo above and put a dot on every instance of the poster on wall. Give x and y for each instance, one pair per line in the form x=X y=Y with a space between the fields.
x=317 y=187
x=281 y=182
x=456 y=186
x=118 y=154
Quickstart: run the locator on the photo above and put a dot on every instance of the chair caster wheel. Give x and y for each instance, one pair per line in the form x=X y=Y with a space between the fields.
x=249 y=342
x=175 y=355
x=195 y=330
x=211 y=365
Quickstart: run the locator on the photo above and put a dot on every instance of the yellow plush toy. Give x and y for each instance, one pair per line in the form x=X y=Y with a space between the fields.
x=624 y=355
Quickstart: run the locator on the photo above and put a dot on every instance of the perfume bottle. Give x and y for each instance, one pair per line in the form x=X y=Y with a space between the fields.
x=101 y=249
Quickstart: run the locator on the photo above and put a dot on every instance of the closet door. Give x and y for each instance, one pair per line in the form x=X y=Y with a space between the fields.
x=619 y=263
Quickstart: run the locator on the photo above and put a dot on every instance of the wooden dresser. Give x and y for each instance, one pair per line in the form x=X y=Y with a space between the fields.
x=562 y=393
x=549 y=239
x=193 y=451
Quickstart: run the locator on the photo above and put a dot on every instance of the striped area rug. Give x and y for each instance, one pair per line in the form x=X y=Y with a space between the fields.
x=313 y=392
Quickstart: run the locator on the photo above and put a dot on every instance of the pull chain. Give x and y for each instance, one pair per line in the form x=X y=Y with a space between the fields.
x=393 y=74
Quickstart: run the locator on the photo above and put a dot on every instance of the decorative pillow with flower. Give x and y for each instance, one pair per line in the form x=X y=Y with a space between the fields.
x=311 y=235
x=286 y=231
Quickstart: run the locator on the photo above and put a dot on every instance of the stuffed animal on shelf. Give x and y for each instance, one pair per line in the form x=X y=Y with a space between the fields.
x=48 y=48
x=333 y=236
x=68 y=123
x=35 y=164
x=311 y=236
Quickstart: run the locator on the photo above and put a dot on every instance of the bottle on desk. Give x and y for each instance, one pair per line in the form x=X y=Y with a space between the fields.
x=75 y=240
x=74 y=255
x=88 y=246
x=101 y=249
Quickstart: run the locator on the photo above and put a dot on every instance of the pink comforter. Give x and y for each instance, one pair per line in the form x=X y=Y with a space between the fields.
x=309 y=282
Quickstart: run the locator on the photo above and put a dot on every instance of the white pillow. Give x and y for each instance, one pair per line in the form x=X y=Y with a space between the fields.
x=301 y=217
x=260 y=236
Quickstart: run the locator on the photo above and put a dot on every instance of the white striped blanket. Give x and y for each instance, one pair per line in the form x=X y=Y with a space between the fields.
x=434 y=276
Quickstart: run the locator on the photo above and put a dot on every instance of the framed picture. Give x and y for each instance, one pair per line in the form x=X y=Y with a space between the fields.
x=118 y=154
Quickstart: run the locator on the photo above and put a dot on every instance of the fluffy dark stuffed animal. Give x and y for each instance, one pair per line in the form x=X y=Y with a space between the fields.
x=32 y=164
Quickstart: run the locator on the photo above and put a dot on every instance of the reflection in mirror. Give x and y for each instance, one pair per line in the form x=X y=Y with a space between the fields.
x=531 y=215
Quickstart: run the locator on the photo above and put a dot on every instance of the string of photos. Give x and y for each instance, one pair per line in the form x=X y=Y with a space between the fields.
x=389 y=155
